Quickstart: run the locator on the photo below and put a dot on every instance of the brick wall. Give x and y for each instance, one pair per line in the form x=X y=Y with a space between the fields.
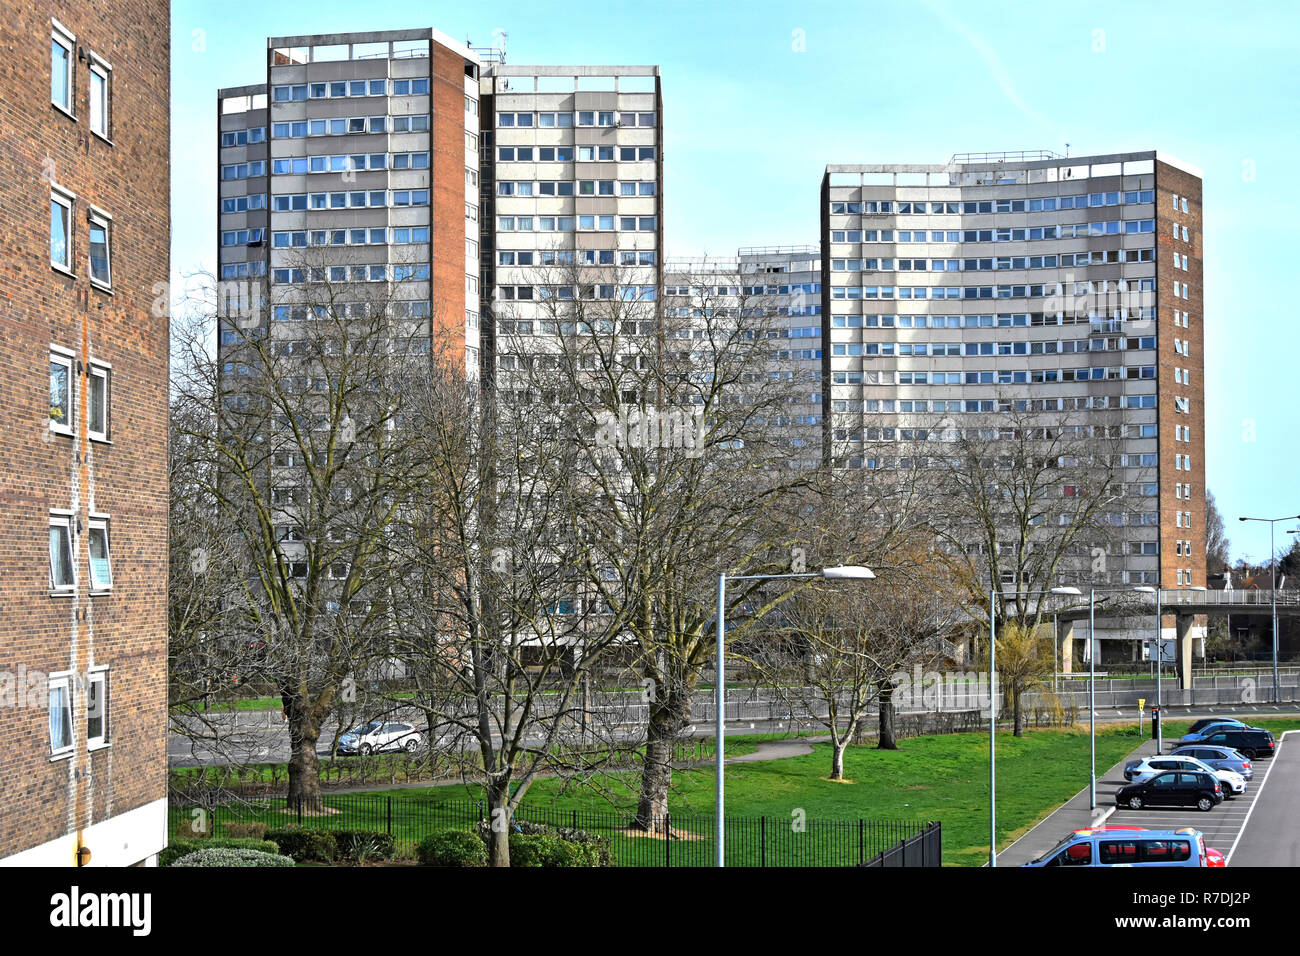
x=447 y=197
x=1172 y=181
x=40 y=798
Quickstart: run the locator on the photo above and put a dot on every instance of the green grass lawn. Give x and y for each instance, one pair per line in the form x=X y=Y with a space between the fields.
x=942 y=777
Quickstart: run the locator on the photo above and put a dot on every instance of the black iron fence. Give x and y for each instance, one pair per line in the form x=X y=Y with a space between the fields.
x=678 y=839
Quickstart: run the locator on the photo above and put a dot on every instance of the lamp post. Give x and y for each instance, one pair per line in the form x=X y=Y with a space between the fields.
x=1160 y=662
x=838 y=573
x=993 y=708
x=1272 y=586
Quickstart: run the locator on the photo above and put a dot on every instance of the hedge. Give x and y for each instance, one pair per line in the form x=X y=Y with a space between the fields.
x=179 y=848
x=232 y=856
x=452 y=848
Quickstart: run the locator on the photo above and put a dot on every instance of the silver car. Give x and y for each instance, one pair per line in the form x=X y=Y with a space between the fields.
x=1220 y=758
x=377 y=736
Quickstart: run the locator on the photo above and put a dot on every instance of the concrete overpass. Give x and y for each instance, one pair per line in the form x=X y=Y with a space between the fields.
x=1182 y=604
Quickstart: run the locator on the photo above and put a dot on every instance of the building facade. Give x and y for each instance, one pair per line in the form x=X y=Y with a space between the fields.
x=83 y=454
x=353 y=166
x=951 y=289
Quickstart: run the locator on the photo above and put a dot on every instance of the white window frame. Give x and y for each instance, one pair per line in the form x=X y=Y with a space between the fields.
x=100 y=522
x=63 y=519
x=68 y=200
x=68 y=359
x=103 y=372
x=68 y=40
x=97 y=217
x=61 y=680
x=98 y=674
x=99 y=67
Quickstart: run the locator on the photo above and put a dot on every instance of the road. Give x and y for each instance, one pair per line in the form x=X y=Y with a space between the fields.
x=1271 y=836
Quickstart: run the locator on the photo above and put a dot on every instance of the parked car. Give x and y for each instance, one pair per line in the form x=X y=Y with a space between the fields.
x=1220 y=758
x=377 y=736
x=1173 y=788
x=1131 y=846
x=1137 y=771
x=1214 y=726
x=1251 y=741
x=1204 y=722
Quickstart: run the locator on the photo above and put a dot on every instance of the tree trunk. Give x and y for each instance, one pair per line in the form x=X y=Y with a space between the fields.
x=887 y=739
x=304 y=763
x=670 y=711
x=1015 y=709
x=499 y=820
x=837 y=757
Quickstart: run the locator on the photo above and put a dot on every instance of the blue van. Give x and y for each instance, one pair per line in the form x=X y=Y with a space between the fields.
x=1131 y=846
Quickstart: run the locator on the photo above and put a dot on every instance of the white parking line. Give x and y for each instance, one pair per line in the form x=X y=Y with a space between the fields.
x=1260 y=790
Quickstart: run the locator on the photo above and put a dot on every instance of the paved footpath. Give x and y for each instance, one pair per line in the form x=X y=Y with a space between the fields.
x=1075 y=813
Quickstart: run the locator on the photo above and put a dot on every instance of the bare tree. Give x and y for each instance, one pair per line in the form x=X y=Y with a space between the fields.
x=1217 y=546
x=296 y=450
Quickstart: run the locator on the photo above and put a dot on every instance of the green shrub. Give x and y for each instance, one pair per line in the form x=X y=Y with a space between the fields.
x=452 y=848
x=250 y=831
x=306 y=844
x=591 y=850
x=232 y=856
x=179 y=848
x=544 y=849
x=365 y=844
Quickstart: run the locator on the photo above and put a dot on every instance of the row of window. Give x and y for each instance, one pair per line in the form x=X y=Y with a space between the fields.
x=949 y=349
x=65 y=386
x=1003 y=376
x=347 y=125
x=584 y=118
x=99 y=227
x=1002 y=320
x=571 y=223
x=987 y=206
x=243 y=137
x=62 y=730
x=1076 y=230
x=793 y=289
x=544 y=327
x=1007 y=405
x=645 y=257
x=998 y=263
x=348 y=237
x=356 y=199
x=566 y=154
x=413 y=309
x=525 y=293
x=1034 y=291
x=588 y=257
x=63 y=77
x=348 y=163
x=581 y=187
x=297 y=92
x=367 y=273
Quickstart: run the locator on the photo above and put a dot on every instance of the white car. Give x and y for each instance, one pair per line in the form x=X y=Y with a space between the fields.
x=377 y=736
x=1139 y=771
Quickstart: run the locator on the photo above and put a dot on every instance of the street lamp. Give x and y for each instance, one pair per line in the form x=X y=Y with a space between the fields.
x=1272 y=586
x=1160 y=661
x=993 y=712
x=851 y=572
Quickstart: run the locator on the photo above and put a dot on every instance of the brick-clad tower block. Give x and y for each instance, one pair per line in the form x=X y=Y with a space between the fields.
x=84 y=258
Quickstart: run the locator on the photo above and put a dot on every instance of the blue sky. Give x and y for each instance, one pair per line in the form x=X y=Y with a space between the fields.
x=760 y=96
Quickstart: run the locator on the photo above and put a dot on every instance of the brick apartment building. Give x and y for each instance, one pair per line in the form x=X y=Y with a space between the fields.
x=83 y=446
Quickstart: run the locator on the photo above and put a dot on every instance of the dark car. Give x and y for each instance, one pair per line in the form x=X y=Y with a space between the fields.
x=1173 y=788
x=1204 y=722
x=1220 y=758
x=1249 y=741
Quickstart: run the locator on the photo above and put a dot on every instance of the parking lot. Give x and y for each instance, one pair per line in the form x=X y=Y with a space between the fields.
x=1221 y=825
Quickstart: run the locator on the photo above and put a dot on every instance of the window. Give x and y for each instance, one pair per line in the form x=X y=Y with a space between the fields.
x=62 y=391
x=61 y=228
x=62 y=44
x=63 y=573
x=97 y=708
x=100 y=72
x=97 y=397
x=101 y=271
x=101 y=568
x=60 y=714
